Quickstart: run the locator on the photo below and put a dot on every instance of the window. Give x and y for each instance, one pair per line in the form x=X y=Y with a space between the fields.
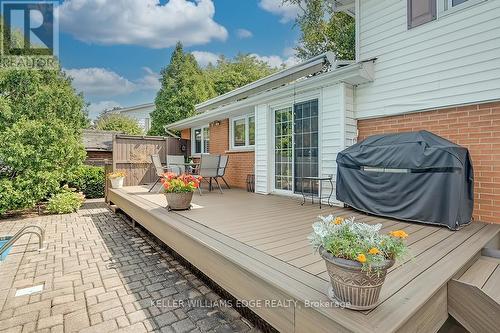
x=243 y=132
x=201 y=139
x=450 y=6
x=423 y=11
x=420 y=12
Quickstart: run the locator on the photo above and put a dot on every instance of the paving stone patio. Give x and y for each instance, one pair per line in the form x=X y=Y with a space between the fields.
x=101 y=275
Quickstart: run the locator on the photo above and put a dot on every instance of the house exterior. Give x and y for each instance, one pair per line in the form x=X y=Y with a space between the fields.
x=141 y=113
x=420 y=64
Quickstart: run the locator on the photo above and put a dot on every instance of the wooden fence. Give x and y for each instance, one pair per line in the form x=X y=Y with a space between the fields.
x=132 y=154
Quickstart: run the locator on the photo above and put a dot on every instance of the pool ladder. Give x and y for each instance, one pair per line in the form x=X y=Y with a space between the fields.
x=24 y=231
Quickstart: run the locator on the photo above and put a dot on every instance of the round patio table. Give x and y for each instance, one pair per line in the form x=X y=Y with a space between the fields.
x=188 y=166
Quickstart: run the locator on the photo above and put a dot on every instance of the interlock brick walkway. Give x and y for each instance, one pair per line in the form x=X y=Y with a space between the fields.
x=100 y=275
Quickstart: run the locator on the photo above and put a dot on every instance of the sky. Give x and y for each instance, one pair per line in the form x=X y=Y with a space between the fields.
x=115 y=49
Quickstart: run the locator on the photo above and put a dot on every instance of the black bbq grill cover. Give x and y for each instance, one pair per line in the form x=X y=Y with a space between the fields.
x=415 y=176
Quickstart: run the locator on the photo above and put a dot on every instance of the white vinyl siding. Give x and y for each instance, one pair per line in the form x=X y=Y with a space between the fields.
x=453 y=60
x=338 y=129
x=262 y=142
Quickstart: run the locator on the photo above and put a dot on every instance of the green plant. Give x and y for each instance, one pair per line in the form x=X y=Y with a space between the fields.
x=37 y=155
x=183 y=85
x=65 y=202
x=173 y=183
x=361 y=242
x=324 y=29
x=89 y=180
x=118 y=122
x=116 y=174
x=41 y=117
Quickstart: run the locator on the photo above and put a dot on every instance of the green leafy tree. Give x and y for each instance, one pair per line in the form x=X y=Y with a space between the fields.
x=228 y=74
x=41 y=119
x=183 y=85
x=323 y=30
x=118 y=122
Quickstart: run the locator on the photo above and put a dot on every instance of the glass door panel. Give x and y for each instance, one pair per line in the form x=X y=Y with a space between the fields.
x=306 y=162
x=283 y=149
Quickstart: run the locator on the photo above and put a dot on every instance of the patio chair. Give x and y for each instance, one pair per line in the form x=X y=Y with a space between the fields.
x=209 y=170
x=175 y=164
x=159 y=169
x=224 y=159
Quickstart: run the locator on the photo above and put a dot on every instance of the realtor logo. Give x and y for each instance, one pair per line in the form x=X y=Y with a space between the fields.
x=29 y=33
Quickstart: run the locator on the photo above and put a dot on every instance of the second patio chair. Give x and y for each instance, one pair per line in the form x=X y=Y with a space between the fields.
x=158 y=168
x=224 y=159
x=175 y=164
x=209 y=170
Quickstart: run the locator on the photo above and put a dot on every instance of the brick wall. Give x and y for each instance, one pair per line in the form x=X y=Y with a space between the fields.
x=476 y=127
x=186 y=134
x=240 y=163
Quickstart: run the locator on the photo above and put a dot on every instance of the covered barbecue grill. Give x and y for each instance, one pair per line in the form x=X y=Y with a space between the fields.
x=414 y=176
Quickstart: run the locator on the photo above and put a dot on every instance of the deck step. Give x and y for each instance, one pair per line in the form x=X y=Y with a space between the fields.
x=474 y=297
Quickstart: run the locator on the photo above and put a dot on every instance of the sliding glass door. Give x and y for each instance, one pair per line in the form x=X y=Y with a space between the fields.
x=296 y=146
x=283 y=149
x=306 y=163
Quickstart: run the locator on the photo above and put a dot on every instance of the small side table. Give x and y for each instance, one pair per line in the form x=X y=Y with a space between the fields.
x=320 y=196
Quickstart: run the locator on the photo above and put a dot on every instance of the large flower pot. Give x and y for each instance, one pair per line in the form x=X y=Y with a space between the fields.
x=179 y=201
x=117 y=182
x=357 y=288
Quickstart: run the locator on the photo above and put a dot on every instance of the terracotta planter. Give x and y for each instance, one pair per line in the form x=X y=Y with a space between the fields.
x=179 y=201
x=358 y=289
x=117 y=182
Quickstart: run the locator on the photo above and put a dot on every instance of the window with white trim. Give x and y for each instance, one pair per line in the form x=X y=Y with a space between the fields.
x=201 y=140
x=446 y=7
x=243 y=131
x=453 y=3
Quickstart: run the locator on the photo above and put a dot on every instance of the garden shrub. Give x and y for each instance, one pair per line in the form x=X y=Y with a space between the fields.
x=41 y=118
x=65 y=202
x=89 y=180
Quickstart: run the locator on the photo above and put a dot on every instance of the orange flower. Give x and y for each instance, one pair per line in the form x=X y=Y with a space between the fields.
x=361 y=258
x=338 y=220
x=399 y=234
x=374 y=251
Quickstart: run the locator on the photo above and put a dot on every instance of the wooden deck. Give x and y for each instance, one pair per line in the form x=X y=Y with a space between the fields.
x=255 y=247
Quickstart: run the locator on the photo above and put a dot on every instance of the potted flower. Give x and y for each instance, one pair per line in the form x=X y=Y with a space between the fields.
x=357 y=257
x=179 y=190
x=116 y=178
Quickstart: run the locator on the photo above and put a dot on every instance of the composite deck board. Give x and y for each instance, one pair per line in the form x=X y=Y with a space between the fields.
x=273 y=230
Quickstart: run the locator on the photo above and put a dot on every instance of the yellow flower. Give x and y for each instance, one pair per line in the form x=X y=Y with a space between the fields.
x=399 y=234
x=374 y=251
x=361 y=258
x=338 y=220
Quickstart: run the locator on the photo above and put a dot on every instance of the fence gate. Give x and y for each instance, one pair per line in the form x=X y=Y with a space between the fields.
x=132 y=154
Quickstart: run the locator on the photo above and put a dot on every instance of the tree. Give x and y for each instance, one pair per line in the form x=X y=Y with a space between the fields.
x=228 y=75
x=183 y=85
x=41 y=117
x=323 y=29
x=118 y=122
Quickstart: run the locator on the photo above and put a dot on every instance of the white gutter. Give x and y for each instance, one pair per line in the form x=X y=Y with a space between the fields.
x=293 y=73
x=354 y=74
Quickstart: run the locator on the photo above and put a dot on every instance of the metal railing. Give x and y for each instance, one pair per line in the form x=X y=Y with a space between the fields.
x=40 y=233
